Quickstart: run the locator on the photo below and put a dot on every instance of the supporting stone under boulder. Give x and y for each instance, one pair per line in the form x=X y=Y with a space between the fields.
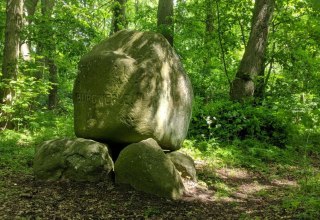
x=74 y=159
x=145 y=167
x=131 y=87
x=184 y=164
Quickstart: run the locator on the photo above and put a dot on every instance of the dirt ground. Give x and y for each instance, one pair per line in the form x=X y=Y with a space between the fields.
x=22 y=197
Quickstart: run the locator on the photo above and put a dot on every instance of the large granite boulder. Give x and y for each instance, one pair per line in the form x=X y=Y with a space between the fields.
x=131 y=87
x=145 y=167
x=184 y=164
x=74 y=159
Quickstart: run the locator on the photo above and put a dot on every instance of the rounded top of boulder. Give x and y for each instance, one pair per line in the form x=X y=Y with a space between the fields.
x=131 y=87
x=135 y=44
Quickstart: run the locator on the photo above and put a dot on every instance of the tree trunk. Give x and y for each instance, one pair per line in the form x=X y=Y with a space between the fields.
x=11 y=49
x=208 y=37
x=29 y=10
x=165 y=19
x=53 y=78
x=136 y=12
x=119 y=20
x=252 y=63
x=30 y=6
x=223 y=57
x=48 y=49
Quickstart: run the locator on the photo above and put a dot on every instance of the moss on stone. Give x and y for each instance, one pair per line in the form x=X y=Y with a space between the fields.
x=145 y=167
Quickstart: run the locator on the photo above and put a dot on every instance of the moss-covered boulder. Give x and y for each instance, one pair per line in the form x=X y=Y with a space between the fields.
x=131 y=87
x=184 y=164
x=145 y=167
x=74 y=159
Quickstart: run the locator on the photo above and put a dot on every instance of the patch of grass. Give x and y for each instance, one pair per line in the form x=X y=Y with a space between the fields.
x=16 y=151
x=292 y=162
x=17 y=147
x=305 y=202
x=223 y=190
x=262 y=193
x=250 y=154
x=151 y=211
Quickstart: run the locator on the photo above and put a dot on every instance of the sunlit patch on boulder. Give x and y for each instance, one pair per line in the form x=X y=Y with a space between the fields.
x=131 y=87
x=145 y=167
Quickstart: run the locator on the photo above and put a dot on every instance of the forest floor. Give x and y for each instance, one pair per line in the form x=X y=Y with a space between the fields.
x=251 y=181
x=242 y=194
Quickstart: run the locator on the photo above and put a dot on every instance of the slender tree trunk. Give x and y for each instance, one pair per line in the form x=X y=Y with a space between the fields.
x=30 y=6
x=262 y=80
x=223 y=57
x=208 y=37
x=252 y=63
x=208 y=43
x=48 y=49
x=14 y=14
x=165 y=19
x=136 y=12
x=53 y=78
x=119 y=20
x=243 y=37
x=29 y=10
x=136 y=6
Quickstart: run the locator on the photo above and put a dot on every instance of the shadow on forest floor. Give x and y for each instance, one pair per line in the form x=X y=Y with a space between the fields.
x=236 y=193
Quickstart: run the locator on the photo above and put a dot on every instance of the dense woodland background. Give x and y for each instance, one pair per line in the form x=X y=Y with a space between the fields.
x=254 y=67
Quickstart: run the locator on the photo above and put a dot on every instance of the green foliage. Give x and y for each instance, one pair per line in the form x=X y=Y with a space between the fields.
x=14 y=152
x=27 y=90
x=228 y=121
x=249 y=153
x=143 y=15
x=151 y=211
x=273 y=162
x=305 y=202
x=17 y=147
x=278 y=138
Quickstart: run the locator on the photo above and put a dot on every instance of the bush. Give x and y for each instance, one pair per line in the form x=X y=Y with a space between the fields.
x=228 y=121
x=29 y=95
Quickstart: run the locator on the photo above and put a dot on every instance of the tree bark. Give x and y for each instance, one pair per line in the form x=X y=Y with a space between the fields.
x=243 y=37
x=252 y=63
x=223 y=57
x=208 y=37
x=14 y=13
x=29 y=10
x=165 y=19
x=53 y=78
x=48 y=49
x=136 y=12
x=119 y=20
x=30 y=6
x=262 y=80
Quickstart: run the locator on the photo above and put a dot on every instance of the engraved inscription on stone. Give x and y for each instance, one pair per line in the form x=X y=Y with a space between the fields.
x=103 y=99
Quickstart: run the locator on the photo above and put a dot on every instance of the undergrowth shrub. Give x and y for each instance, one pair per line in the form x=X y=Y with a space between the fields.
x=228 y=121
x=29 y=92
x=30 y=101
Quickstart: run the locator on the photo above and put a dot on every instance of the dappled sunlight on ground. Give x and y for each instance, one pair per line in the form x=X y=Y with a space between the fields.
x=234 y=173
x=222 y=193
x=284 y=182
x=229 y=184
x=195 y=191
